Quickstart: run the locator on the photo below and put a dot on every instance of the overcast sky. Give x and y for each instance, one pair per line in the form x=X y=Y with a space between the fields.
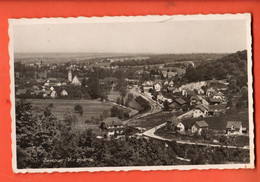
x=203 y=36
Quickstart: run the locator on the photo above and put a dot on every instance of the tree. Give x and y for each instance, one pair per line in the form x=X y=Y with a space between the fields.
x=122 y=101
x=166 y=105
x=122 y=91
x=94 y=87
x=84 y=82
x=118 y=101
x=78 y=108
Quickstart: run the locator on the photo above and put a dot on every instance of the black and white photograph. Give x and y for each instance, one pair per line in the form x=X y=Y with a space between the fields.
x=131 y=93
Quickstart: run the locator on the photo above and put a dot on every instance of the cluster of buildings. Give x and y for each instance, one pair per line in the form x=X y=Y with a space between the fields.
x=50 y=87
x=204 y=99
x=176 y=125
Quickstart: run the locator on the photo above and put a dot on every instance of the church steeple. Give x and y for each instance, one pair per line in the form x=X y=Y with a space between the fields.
x=70 y=75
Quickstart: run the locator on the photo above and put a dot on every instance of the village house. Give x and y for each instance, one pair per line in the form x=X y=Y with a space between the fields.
x=53 y=94
x=177 y=104
x=75 y=81
x=218 y=95
x=200 y=91
x=157 y=87
x=174 y=124
x=200 y=111
x=194 y=100
x=171 y=83
x=210 y=92
x=22 y=92
x=112 y=127
x=213 y=101
x=234 y=127
x=64 y=93
x=198 y=126
x=164 y=74
x=171 y=74
x=148 y=83
x=216 y=110
x=46 y=94
x=166 y=83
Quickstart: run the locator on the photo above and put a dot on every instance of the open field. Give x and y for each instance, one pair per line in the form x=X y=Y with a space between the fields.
x=91 y=108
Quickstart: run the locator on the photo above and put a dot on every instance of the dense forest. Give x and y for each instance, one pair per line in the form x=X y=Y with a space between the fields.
x=233 y=66
x=45 y=142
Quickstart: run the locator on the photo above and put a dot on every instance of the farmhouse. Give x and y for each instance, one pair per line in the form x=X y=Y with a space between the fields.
x=198 y=126
x=175 y=124
x=112 y=127
x=234 y=127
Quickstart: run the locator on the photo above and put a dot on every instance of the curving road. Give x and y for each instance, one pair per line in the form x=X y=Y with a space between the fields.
x=155 y=107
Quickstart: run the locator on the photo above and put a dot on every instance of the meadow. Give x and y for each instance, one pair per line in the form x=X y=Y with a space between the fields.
x=91 y=109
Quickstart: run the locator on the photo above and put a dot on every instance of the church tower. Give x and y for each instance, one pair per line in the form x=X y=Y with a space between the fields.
x=70 y=76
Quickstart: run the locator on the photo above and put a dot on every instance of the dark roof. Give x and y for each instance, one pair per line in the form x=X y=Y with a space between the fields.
x=214 y=100
x=201 y=107
x=180 y=101
x=21 y=91
x=173 y=120
x=237 y=124
x=112 y=121
x=201 y=124
x=191 y=93
x=194 y=97
x=217 y=107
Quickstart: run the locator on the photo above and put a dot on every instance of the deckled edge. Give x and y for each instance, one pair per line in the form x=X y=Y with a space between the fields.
x=147 y=18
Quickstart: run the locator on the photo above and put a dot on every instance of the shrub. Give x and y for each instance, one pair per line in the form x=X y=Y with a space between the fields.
x=78 y=108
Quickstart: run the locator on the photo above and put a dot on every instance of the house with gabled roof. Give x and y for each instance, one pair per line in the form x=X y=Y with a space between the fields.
x=157 y=87
x=112 y=127
x=64 y=93
x=178 y=103
x=21 y=92
x=200 y=111
x=234 y=127
x=75 y=81
x=194 y=100
x=210 y=92
x=198 y=126
x=53 y=94
x=214 y=101
x=174 y=124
